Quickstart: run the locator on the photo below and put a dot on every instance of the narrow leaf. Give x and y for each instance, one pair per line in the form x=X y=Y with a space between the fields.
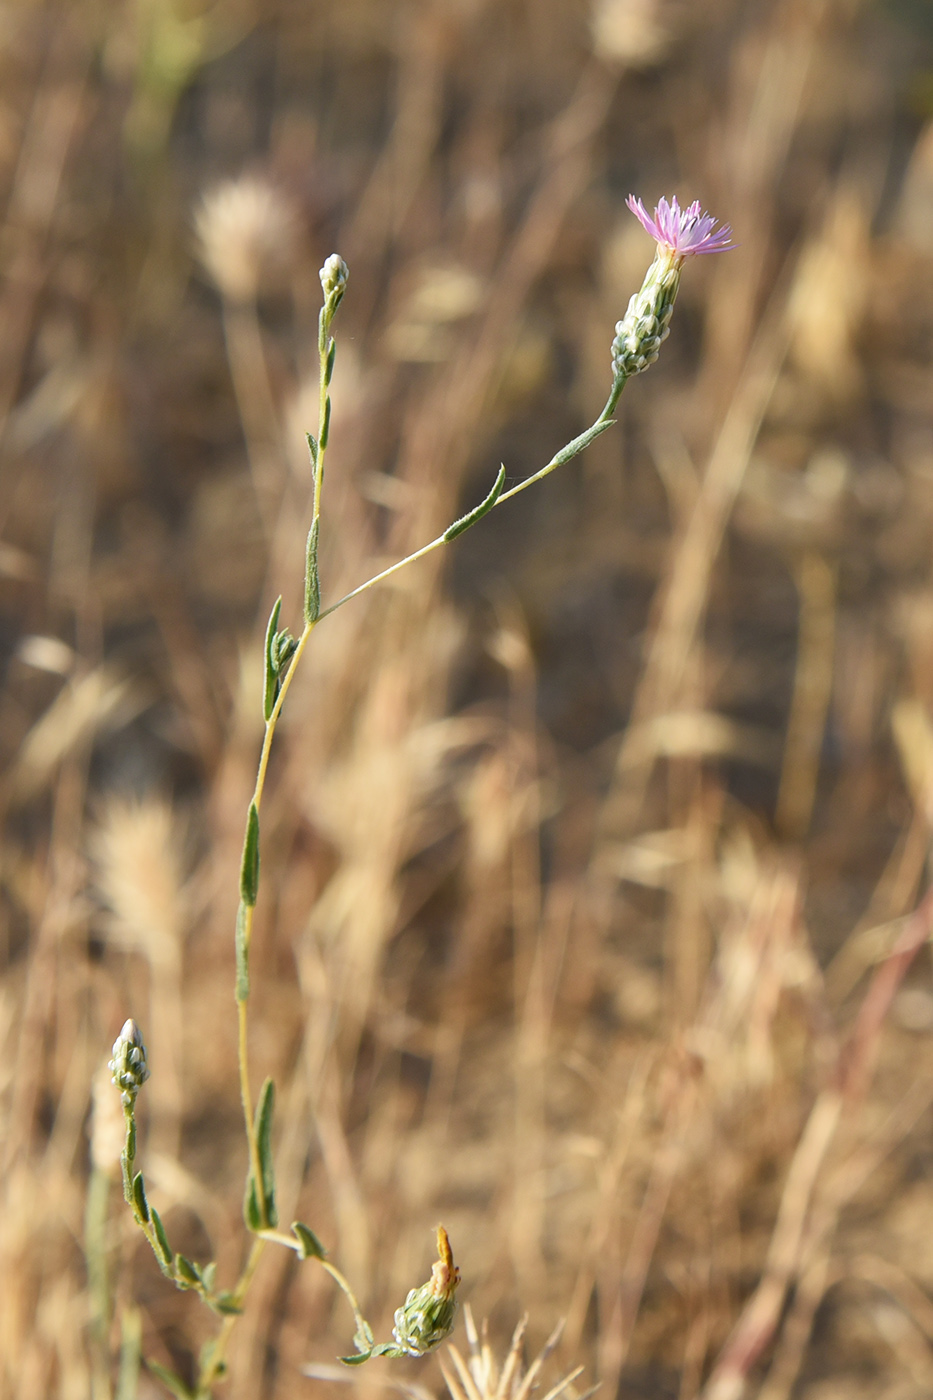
x=477 y=513
x=325 y=426
x=249 y=865
x=187 y=1272
x=312 y=448
x=251 y=1212
x=226 y=1304
x=208 y=1276
x=312 y=581
x=264 y=1111
x=175 y=1384
x=356 y=1360
x=139 y=1197
x=272 y=677
x=329 y=367
x=311 y=1247
x=242 y=955
x=164 y=1248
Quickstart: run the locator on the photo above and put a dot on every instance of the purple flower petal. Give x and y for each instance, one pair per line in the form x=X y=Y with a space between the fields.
x=683 y=232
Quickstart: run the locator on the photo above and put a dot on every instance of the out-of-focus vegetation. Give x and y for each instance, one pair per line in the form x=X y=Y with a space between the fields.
x=591 y=851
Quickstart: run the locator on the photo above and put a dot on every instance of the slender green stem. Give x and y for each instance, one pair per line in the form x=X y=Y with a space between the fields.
x=322 y=416
x=246 y=1096
x=215 y=1364
x=566 y=454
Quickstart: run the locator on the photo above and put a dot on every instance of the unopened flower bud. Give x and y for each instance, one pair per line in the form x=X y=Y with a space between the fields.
x=334 y=276
x=428 y=1314
x=128 y=1067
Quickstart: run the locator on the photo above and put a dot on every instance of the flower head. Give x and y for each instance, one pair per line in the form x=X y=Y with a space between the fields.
x=682 y=232
x=428 y=1314
x=679 y=233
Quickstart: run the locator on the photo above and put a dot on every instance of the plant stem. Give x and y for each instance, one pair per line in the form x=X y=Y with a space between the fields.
x=566 y=454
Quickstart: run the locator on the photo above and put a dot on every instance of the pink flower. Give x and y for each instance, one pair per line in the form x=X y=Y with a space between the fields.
x=682 y=232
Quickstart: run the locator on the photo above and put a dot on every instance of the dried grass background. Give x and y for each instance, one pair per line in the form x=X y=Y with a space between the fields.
x=591 y=853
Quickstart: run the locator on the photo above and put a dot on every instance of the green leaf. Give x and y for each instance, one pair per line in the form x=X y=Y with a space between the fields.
x=226 y=1304
x=242 y=955
x=128 y=1155
x=208 y=1275
x=187 y=1272
x=168 y=1378
x=272 y=671
x=484 y=507
x=389 y=1349
x=251 y=1212
x=311 y=1247
x=162 y=1244
x=139 y=1197
x=312 y=580
x=325 y=426
x=356 y=1360
x=329 y=366
x=312 y=448
x=264 y=1112
x=249 y=865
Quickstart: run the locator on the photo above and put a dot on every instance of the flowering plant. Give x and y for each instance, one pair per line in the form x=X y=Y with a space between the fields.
x=427 y=1315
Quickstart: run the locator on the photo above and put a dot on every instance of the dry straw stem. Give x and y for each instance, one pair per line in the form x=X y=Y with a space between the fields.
x=135 y=846
x=759 y=1318
x=481 y=1377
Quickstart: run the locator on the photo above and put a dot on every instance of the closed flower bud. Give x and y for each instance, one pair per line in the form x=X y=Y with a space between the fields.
x=128 y=1067
x=334 y=277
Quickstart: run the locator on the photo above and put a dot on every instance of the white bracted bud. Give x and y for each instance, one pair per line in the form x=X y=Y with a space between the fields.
x=128 y=1068
x=334 y=277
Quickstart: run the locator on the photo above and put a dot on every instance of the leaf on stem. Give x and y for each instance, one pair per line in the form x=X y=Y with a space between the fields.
x=187 y=1274
x=329 y=364
x=264 y=1112
x=168 y=1378
x=311 y=1247
x=163 y=1248
x=249 y=865
x=312 y=448
x=312 y=581
x=272 y=671
x=140 y=1202
x=484 y=507
x=242 y=955
x=225 y=1304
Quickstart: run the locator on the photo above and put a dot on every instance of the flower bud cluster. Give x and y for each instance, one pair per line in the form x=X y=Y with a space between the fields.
x=334 y=276
x=427 y=1316
x=646 y=324
x=128 y=1067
